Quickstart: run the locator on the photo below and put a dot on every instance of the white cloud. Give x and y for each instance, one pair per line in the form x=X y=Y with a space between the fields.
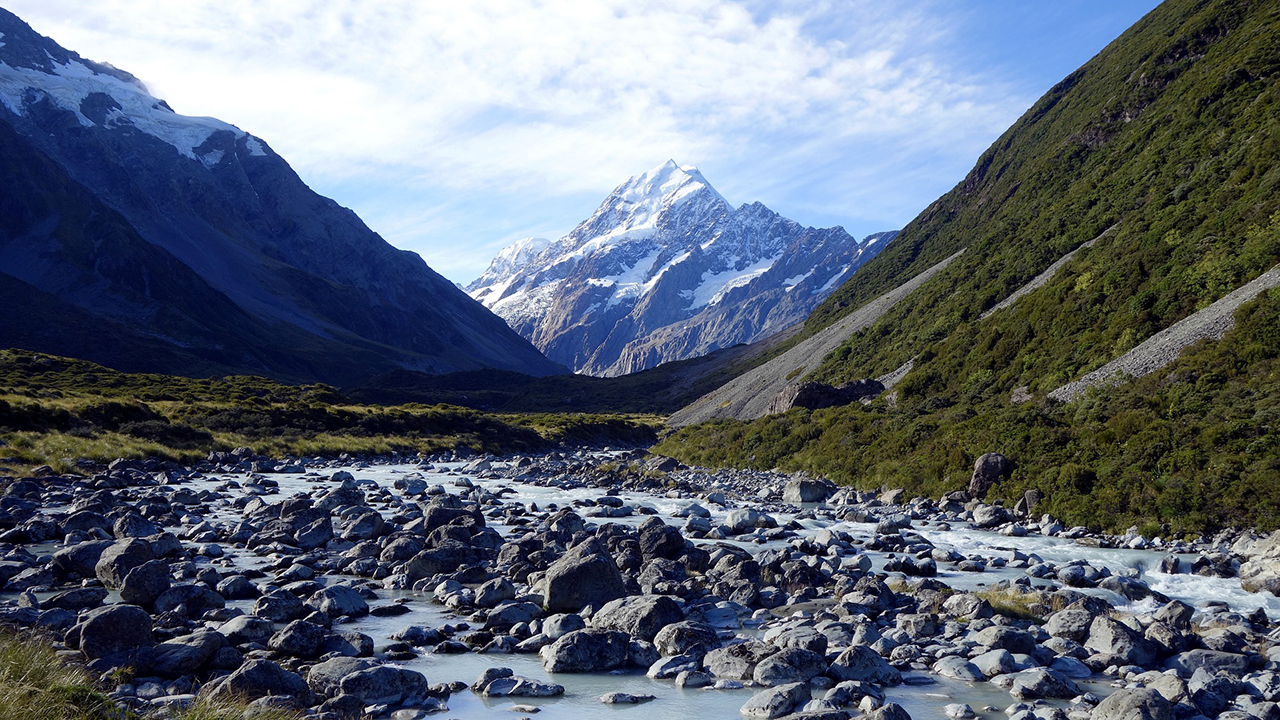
x=559 y=98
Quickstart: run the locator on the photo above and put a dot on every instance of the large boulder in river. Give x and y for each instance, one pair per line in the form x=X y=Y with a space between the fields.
x=324 y=678
x=339 y=600
x=115 y=630
x=587 y=650
x=862 y=664
x=1115 y=639
x=1261 y=569
x=117 y=560
x=143 y=584
x=81 y=559
x=778 y=701
x=186 y=655
x=1137 y=704
x=987 y=470
x=686 y=638
x=384 y=685
x=258 y=678
x=640 y=616
x=805 y=490
x=586 y=575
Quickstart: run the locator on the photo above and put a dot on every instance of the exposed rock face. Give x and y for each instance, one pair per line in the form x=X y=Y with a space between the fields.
x=665 y=270
x=151 y=241
x=987 y=470
x=815 y=395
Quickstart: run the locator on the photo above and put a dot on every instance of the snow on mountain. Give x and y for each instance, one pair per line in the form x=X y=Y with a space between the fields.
x=666 y=269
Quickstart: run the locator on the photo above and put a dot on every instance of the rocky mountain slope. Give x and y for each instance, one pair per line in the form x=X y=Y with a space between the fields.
x=152 y=241
x=666 y=269
x=1139 y=190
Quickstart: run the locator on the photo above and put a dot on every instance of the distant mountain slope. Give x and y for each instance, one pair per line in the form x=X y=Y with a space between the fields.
x=1164 y=150
x=666 y=269
x=199 y=247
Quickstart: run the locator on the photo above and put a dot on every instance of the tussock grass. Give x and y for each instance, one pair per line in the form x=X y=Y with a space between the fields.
x=37 y=684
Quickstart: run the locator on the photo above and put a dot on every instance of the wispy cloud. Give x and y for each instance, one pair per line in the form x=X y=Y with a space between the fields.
x=536 y=104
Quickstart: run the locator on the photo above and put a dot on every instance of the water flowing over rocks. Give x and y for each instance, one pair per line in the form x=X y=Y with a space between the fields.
x=382 y=590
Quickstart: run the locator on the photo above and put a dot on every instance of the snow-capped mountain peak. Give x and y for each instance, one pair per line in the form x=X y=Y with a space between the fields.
x=665 y=269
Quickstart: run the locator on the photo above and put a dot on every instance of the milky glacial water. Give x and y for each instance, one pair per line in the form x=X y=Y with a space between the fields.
x=582 y=691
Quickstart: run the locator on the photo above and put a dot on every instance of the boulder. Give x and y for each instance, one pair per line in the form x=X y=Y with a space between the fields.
x=323 y=678
x=741 y=520
x=186 y=655
x=384 y=685
x=804 y=490
x=640 y=616
x=862 y=664
x=686 y=638
x=247 y=629
x=299 y=639
x=587 y=650
x=793 y=665
x=1113 y=638
x=81 y=559
x=1136 y=704
x=737 y=661
x=1042 y=683
x=585 y=575
x=340 y=600
x=115 y=630
x=119 y=558
x=776 y=702
x=146 y=582
x=987 y=470
x=1186 y=663
x=258 y=678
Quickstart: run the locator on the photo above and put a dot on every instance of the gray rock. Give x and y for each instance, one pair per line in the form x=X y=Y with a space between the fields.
x=889 y=711
x=146 y=582
x=686 y=638
x=959 y=669
x=741 y=520
x=557 y=626
x=186 y=655
x=737 y=661
x=587 y=650
x=1186 y=663
x=81 y=559
x=861 y=663
x=259 y=678
x=1139 y=704
x=776 y=702
x=384 y=685
x=247 y=629
x=279 y=606
x=619 y=698
x=989 y=516
x=803 y=490
x=1071 y=623
x=987 y=470
x=114 y=630
x=1042 y=683
x=324 y=678
x=340 y=600
x=789 y=666
x=194 y=598
x=586 y=575
x=299 y=639
x=640 y=616
x=119 y=558
x=1110 y=637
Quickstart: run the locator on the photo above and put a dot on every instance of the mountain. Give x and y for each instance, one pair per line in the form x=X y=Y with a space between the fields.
x=1096 y=300
x=151 y=241
x=665 y=269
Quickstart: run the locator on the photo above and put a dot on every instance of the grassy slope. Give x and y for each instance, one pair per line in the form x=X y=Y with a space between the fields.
x=1171 y=134
x=54 y=410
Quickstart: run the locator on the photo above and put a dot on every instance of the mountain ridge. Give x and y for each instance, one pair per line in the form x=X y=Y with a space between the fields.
x=301 y=287
x=666 y=269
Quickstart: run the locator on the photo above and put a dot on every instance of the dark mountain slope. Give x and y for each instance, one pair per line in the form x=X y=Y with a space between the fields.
x=295 y=274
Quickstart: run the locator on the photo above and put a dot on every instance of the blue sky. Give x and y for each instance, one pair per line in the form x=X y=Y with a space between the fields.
x=454 y=129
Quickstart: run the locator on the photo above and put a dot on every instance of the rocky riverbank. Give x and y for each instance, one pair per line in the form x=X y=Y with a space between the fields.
x=250 y=578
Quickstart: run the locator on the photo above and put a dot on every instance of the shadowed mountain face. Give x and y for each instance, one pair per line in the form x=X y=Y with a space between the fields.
x=666 y=270
x=152 y=241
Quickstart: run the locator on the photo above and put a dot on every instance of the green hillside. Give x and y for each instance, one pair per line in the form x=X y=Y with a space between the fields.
x=1171 y=136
